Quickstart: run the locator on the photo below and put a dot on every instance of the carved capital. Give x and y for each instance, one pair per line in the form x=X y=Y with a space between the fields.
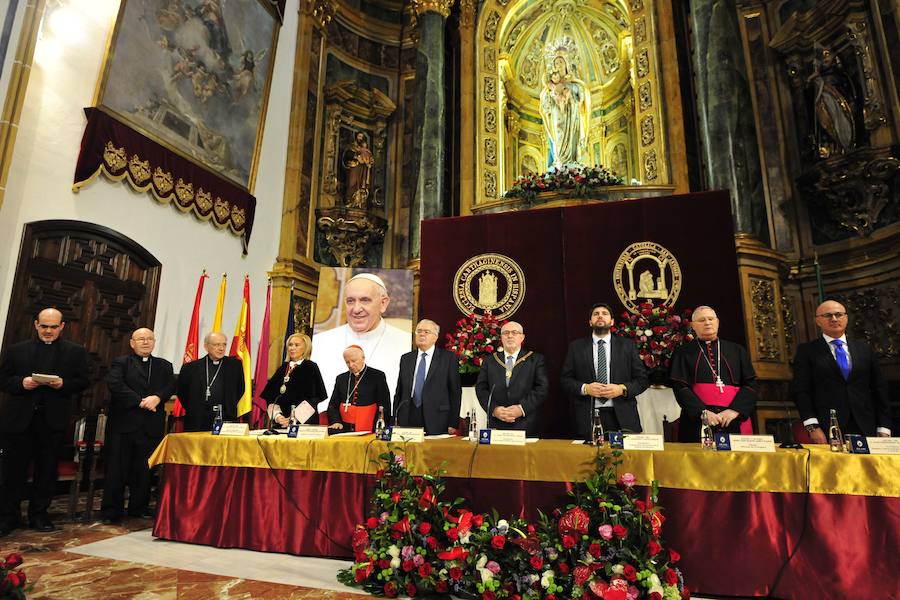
x=349 y=233
x=321 y=11
x=442 y=7
x=466 y=14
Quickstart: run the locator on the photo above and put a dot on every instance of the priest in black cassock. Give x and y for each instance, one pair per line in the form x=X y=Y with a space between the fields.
x=211 y=380
x=359 y=387
x=713 y=375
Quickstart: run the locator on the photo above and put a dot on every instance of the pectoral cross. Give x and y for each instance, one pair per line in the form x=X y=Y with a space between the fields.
x=208 y=392
x=720 y=385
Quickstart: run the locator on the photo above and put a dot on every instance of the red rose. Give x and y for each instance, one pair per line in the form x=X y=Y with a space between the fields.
x=655 y=596
x=390 y=589
x=620 y=532
x=424 y=570
x=489 y=595
x=653 y=547
x=498 y=541
x=630 y=573
x=455 y=573
x=478 y=520
x=410 y=589
x=640 y=505
x=360 y=575
x=453 y=534
x=371 y=522
x=384 y=563
x=581 y=574
x=432 y=542
x=440 y=587
x=615 y=594
x=536 y=562
x=424 y=528
x=568 y=542
x=563 y=568
x=12 y=561
x=408 y=565
x=674 y=556
x=595 y=550
x=395 y=497
x=671 y=577
x=551 y=596
x=12 y=579
x=379 y=473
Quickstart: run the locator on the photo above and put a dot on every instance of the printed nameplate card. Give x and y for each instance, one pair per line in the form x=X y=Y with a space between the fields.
x=502 y=437
x=884 y=445
x=308 y=432
x=752 y=443
x=407 y=434
x=642 y=441
x=234 y=429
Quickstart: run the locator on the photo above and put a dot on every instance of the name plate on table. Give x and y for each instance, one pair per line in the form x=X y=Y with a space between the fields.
x=502 y=437
x=232 y=429
x=884 y=445
x=745 y=443
x=308 y=432
x=407 y=434
x=643 y=441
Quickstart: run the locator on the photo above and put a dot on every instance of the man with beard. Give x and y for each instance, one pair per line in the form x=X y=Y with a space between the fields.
x=603 y=374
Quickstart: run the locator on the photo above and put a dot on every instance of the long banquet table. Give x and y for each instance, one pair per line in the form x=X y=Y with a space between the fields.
x=789 y=524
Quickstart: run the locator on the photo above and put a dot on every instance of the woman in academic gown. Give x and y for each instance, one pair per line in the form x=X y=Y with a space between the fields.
x=297 y=383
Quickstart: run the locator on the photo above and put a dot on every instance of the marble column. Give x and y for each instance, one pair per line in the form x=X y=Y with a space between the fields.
x=429 y=144
x=726 y=115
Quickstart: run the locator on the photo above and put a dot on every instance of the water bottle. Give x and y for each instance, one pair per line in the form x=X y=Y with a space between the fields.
x=473 y=426
x=707 y=441
x=292 y=419
x=380 y=424
x=217 y=419
x=835 y=437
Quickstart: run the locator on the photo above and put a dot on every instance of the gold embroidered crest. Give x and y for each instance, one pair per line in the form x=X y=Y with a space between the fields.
x=489 y=282
x=139 y=169
x=114 y=157
x=184 y=192
x=162 y=181
x=204 y=200
x=646 y=272
x=221 y=209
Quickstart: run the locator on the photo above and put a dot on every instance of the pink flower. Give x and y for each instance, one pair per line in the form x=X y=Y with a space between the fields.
x=606 y=532
x=628 y=479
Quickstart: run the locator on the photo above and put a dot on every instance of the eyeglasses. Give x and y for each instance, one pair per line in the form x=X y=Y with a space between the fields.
x=425 y=331
x=144 y=339
x=51 y=327
x=511 y=332
x=832 y=315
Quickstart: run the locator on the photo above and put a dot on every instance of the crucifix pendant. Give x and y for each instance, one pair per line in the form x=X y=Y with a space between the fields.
x=720 y=385
x=208 y=392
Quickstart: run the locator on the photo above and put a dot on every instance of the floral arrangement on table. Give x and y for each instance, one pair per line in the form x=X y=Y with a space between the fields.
x=474 y=339
x=12 y=578
x=656 y=331
x=605 y=544
x=581 y=181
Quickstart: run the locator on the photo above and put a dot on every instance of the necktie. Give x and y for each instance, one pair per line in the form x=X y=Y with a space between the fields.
x=419 y=383
x=601 y=361
x=841 y=355
x=509 y=368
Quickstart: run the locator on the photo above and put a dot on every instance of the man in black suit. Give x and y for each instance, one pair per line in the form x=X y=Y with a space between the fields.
x=833 y=372
x=359 y=387
x=512 y=383
x=213 y=380
x=139 y=386
x=603 y=374
x=34 y=415
x=429 y=392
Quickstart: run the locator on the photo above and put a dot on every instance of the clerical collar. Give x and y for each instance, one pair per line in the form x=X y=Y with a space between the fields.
x=145 y=358
x=210 y=358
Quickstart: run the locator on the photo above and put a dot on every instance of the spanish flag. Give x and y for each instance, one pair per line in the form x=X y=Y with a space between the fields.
x=240 y=347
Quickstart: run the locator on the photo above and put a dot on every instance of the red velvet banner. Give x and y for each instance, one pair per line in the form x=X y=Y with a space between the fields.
x=569 y=257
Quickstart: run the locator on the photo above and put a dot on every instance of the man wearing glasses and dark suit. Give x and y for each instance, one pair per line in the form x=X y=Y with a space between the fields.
x=833 y=372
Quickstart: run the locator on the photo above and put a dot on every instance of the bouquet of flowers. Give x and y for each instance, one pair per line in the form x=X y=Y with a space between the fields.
x=473 y=340
x=12 y=578
x=581 y=181
x=656 y=331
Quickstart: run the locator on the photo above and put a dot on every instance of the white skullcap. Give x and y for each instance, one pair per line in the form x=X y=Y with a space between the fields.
x=371 y=277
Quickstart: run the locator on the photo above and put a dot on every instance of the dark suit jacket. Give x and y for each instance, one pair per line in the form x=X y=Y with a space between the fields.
x=199 y=413
x=373 y=389
x=820 y=386
x=625 y=368
x=528 y=386
x=305 y=384
x=441 y=396
x=69 y=361
x=128 y=385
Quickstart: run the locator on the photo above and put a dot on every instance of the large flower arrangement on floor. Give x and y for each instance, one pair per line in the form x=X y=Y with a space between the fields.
x=12 y=578
x=606 y=543
x=581 y=181
x=474 y=339
x=656 y=331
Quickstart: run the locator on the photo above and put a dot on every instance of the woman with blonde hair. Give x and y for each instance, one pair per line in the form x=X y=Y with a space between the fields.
x=297 y=382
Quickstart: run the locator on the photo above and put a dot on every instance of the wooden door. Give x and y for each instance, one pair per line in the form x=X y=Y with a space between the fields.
x=104 y=283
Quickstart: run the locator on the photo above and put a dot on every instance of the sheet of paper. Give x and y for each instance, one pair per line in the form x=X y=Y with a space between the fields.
x=304 y=411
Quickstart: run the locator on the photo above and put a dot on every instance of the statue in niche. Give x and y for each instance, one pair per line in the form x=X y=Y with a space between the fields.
x=832 y=106
x=358 y=161
x=619 y=160
x=565 y=105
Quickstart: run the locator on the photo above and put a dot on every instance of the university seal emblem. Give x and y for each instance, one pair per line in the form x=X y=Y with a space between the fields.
x=646 y=272
x=489 y=282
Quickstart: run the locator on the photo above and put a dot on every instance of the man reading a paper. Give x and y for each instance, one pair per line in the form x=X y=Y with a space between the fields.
x=715 y=377
x=40 y=379
x=358 y=394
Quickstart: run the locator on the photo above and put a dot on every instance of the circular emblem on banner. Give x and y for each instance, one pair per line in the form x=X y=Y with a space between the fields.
x=647 y=272
x=489 y=282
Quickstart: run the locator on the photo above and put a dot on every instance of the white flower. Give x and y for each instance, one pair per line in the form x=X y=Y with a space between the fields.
x=618 y=569
x=502 y=526
x=648 y=332
x=654 y=584
x=395 y=563
x=486 y=575
x=546 y=579
x=394 y=551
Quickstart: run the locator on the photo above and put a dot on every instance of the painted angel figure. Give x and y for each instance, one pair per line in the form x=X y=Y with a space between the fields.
x=565 y=106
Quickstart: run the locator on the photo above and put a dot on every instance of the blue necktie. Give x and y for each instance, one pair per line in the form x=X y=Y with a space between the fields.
x=420 y=382
x=509 y=368
x=841 y=355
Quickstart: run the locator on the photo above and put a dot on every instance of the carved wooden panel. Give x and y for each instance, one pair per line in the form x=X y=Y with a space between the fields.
x=104 y=283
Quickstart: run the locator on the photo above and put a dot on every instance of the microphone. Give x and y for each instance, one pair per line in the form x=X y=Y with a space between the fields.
x=488 y=410
x=270 y=430
x=789 y=441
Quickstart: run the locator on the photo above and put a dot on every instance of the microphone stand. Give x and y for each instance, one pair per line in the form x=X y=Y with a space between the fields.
x=270 y=430
x=789 y=442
